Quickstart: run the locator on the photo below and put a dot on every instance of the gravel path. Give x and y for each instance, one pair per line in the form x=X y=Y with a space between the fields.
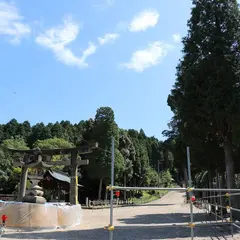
x=148 y=222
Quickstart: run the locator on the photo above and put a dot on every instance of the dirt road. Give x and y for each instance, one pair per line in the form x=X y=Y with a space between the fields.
x=148 y=222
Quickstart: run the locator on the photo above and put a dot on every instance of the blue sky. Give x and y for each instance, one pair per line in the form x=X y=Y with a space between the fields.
x=61 y=60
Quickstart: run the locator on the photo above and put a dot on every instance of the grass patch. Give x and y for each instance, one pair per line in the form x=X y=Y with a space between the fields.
x=148 y=196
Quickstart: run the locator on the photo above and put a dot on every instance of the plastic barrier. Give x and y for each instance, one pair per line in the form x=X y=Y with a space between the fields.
x=41 y=216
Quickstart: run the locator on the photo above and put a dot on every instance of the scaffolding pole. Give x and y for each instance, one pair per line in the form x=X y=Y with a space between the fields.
x=235 y=225
x=174 y=225
x=219 y=190
x=190 y=189
x=148 y=188
x=219 y=186
x=111 y=227
x=222 y=195
x=231 y=216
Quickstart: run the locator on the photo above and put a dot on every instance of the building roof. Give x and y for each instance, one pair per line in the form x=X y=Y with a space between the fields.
x=60 y=176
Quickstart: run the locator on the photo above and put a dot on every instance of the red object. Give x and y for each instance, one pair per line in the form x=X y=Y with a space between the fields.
x=4 y=217
x=193 y=198
x=117 y=193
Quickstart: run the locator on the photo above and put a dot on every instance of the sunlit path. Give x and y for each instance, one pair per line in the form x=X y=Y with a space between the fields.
x=152 y=221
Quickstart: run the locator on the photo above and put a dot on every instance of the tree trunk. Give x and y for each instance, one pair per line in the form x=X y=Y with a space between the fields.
x=100 y=189
x=134 y=182
x=177 y=176
x=224 y=185
x=229 y=161
x=185 y=177
x=229 y=165
x=106 y=194
x=125 y=184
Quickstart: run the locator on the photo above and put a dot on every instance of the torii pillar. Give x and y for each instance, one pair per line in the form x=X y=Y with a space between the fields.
x=23 y=183
x=74 y=178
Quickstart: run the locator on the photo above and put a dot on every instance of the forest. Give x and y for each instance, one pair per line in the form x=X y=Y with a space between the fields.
x=138 y=158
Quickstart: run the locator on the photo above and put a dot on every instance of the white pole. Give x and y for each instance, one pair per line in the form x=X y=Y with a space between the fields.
x=150 y=188
x=111 y=198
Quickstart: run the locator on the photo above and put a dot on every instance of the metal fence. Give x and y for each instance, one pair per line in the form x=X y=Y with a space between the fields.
x=213 y=207
x=210 y=206
x=106 y=203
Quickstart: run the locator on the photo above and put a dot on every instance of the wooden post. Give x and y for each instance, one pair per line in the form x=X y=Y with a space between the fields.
x=23 y=183
x=74 y=179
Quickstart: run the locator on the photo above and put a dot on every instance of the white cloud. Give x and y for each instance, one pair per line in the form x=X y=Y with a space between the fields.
x=144 y=20
x=89 y=51
x=148 y=57
x=109 y=37
x=57 y=39
x=11 y=23
x=177 y=38
x=104 y=5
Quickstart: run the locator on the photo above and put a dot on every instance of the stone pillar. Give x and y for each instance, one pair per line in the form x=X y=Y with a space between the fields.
x=74 y=179
x=23 y=183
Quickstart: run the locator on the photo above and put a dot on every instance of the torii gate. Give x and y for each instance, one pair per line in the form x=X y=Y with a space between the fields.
x=43 y=158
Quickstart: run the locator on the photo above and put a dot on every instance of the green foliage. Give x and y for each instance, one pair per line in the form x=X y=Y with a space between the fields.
x=136 y=155
x=53 y=143
x=205 y=98
x=166 y=178
x=151 y=177
x=18 y=143
x=9 y=175
x=119 y=164
x=10 y=129
x=146 y=196
x=103 y=128
x=128 y=152
x=39 y=132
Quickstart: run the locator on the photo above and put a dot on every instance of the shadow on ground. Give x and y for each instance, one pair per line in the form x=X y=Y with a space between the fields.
x=151 y=205
x=124 y=233
x=166 y=218
x=128 y=232
x=128 y=206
